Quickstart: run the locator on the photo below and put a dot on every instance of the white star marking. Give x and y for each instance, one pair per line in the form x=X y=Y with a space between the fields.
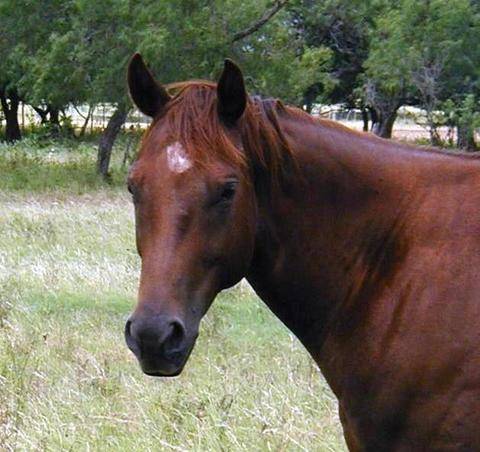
x=177 y=158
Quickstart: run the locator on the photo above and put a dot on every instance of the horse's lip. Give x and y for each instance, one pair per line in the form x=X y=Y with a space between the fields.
x=158 y=372
x=161 y=368
x=163 y=374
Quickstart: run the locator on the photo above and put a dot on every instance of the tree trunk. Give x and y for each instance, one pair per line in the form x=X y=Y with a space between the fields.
x=309 y=97
x=435 y=139
x=365 y=119
x=108 y=138
x=42 y=113
x=466 y=138
x=126 y=155
x=383 y=105
x=54 y=117
x=374 y=116
x=54 y=120
x=13 y=127
x=10 y=110
x=384 y=125
x=86 y=119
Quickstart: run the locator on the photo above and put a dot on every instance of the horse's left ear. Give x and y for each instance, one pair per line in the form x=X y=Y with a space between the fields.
x=231 y=93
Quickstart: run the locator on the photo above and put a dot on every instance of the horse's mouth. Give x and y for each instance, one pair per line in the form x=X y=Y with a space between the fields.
x=161 y=368
x=159 y=365
x=163 y=374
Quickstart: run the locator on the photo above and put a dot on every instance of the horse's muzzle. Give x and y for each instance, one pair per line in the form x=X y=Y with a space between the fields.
x=160 y=344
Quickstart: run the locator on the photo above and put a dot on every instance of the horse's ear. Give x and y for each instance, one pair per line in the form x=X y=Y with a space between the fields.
x=149 y=96
x=231 y=93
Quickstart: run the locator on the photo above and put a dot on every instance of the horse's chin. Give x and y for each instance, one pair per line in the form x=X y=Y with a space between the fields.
x=161 y=371
x=163 y=374
x=158 y=365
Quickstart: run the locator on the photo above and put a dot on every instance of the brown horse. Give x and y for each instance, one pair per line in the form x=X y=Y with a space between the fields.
x=367 y=249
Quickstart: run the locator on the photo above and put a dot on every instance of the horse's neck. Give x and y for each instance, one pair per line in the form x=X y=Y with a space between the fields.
x=325 y=251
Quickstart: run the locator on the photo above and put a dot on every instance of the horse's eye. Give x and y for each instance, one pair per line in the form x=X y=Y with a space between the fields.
x=224 y=194
x=228 y=191
x=133 y=191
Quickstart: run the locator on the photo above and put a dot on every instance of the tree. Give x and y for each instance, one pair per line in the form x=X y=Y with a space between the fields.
x=100 y=41
x=187 y=39
x=9 y=100
x=278 y=63
x=10 y=71
x=386 y=80
x=36 y=70
x=425 y=68
x=343 y=27
x=74 y=52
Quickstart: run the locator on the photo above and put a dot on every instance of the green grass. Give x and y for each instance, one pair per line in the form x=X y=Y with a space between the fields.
x=59 y=166
x=68 y=278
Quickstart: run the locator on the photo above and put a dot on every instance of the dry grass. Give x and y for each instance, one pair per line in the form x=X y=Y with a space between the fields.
x=68 y=276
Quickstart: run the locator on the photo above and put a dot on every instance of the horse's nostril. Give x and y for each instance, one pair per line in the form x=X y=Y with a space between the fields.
x=131 y=341
x=127 y=328
x=157 y=341
x=176 y=336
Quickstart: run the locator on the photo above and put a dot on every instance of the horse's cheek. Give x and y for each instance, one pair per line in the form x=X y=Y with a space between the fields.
x=240 y=244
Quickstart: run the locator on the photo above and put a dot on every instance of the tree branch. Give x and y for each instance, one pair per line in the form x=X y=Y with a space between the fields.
x=267 y=15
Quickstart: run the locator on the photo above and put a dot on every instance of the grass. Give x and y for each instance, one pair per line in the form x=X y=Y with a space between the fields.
x=68 y=278
x=41 y=165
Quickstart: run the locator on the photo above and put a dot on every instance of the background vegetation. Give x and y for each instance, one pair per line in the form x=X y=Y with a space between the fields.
x=374 y=55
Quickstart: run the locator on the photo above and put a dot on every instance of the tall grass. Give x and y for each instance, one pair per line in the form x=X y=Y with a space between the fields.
x=68 y=277
x=41 y=165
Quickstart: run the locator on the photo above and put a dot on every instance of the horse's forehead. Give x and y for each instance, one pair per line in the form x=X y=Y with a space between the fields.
x=178 y=160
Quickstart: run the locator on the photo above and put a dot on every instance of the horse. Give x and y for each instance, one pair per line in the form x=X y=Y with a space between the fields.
x=367 y=249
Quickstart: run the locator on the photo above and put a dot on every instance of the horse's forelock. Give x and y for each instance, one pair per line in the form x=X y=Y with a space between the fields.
x=193 y=121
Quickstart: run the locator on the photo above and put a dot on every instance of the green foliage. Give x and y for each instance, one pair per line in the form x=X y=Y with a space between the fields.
x=342 y=26
x=425 y=49
x=387 y=49
x=387 y=53
x=313 y=66
x=31 y=32
x=464 y=114
x=76 y=51
x=191 y=39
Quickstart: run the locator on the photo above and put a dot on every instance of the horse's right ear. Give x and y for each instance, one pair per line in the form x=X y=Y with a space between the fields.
x=149 y=96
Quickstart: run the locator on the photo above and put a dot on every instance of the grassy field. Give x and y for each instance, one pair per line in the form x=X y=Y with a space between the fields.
x=68 y=277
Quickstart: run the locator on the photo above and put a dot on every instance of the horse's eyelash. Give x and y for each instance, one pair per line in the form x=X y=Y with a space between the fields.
x=223 y=195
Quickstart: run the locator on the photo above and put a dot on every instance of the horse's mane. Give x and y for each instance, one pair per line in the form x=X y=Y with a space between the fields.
x=266 y=155
x=194 y=122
